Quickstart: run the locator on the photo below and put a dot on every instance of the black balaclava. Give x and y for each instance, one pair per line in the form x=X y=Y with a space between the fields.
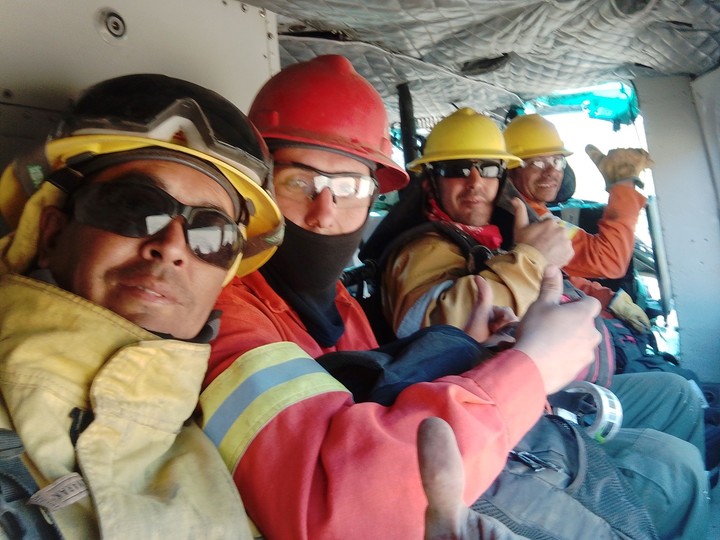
x=304 y=272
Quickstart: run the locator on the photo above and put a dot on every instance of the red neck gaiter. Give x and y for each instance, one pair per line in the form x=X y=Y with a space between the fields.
x=487 y=235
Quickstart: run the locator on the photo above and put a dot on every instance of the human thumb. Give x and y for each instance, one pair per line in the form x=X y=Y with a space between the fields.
x=595 y=154
x=551 y=287
x=442 y=475
x=478 y=324
x=521 y=213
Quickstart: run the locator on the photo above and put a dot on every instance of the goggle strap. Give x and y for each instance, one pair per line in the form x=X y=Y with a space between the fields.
x=183 y=118
x=67 y=179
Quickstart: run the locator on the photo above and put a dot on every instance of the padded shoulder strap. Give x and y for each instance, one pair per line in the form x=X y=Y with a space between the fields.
x=475 y=253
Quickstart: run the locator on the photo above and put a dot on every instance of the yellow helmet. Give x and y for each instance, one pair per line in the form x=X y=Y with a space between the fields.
x=465 y=134
x=531 y=135
x=135 y=113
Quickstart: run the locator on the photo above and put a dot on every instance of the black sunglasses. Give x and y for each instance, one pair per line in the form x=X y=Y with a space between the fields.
x=462 y=168
x=139 y=210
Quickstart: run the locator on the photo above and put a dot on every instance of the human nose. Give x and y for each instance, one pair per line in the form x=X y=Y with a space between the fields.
x=550 y=170
x=168 y=245
x=322 y=211
x=476 y=182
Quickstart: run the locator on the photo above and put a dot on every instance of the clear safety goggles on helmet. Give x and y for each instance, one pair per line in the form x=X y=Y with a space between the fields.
x=138 y=209
x=462 y=168
x=302 y=182
x=184 y=122
x=541 y=163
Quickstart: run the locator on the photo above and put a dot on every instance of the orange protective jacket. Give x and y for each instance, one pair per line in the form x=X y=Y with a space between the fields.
x=311 y=463
x=606 y=254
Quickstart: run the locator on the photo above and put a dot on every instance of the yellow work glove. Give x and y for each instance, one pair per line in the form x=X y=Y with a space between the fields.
x=628 y=311
x=620 y=164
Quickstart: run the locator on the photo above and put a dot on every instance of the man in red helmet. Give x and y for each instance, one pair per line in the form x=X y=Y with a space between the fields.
x=309 y=462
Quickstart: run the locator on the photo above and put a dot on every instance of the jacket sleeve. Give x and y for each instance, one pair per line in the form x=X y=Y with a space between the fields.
x=428 y=283
x=607 y=254
x=310 y=463
x=592 y=288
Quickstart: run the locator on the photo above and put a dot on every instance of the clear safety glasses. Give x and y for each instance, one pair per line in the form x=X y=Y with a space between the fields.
x=462 y=168
x=137 y=209
x=541 y=163
x=301 y=182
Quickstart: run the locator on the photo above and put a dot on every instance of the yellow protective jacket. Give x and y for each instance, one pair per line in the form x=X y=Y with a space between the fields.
x=427 y=282
x=149 y=470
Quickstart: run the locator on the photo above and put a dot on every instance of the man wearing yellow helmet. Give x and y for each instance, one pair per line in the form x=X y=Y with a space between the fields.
x=607 y=254
x=126 y=225
x=424 y=281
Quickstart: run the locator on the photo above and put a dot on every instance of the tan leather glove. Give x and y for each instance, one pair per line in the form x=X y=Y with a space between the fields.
x=620 y=163
x=626 y=310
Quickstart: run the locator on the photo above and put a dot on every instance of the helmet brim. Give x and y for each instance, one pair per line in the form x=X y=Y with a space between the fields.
x=511 y=160
x=389 y=174
x=264 y=223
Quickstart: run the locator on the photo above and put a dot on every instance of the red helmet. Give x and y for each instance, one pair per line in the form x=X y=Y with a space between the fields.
x=325 y=103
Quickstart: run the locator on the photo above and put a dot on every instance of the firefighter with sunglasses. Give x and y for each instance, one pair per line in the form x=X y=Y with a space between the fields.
x=148 y=198
x=426 y=281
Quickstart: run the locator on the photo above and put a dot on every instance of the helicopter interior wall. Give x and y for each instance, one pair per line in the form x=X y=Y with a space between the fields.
x=52 y=50
x=707 y=101
x=687 y=208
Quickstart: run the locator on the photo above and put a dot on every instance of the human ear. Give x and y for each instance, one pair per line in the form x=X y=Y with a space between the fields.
x=53 y=222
